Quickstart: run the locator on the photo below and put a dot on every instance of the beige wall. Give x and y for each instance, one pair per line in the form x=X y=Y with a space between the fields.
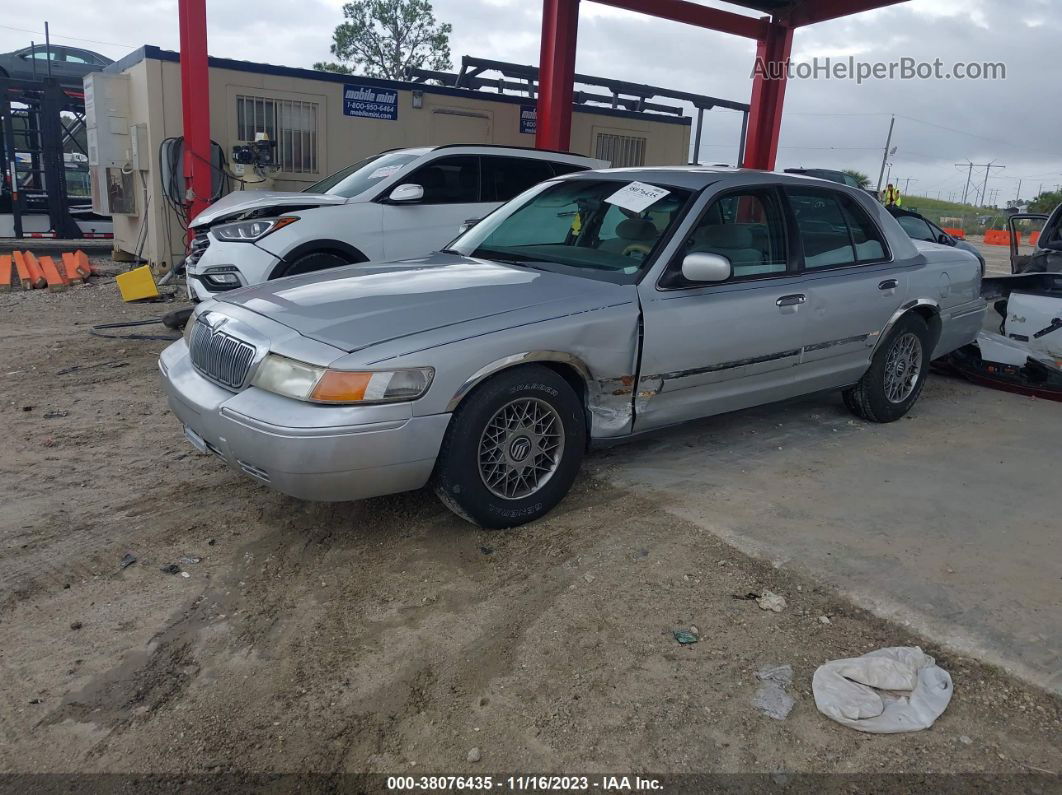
x=155 y=99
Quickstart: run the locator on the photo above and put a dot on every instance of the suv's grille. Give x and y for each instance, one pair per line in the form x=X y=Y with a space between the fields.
x=197 y=249
x=219 y=357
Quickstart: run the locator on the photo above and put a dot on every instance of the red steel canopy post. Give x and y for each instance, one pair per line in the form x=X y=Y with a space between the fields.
x=768 y=95
x=774 y=42
x=195 y=104
x=560 y=28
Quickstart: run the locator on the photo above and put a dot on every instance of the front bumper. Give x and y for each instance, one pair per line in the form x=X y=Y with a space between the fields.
x=312 y=452
x=249 y=263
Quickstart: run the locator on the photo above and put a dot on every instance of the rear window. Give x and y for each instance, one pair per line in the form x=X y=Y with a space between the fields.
x=834 y=231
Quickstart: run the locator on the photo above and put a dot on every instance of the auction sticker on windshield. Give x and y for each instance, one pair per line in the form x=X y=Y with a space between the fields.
x=384 y=171
x=637 y=196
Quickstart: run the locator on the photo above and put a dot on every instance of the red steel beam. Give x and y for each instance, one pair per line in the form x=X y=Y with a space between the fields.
x=768 y=95
x=195 y=104
x=811 y=11
x=556 y=75
x=695 y=14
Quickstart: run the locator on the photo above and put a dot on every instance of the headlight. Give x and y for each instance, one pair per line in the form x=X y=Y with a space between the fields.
x=321 y=385
x=249 y=231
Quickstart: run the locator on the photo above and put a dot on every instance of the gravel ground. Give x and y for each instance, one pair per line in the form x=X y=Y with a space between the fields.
x=389 y=635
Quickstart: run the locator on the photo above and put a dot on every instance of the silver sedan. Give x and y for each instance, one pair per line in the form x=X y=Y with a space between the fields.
x=589 y=308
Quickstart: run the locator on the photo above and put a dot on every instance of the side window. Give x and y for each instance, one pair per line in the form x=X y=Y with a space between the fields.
x=505 y=177
x=915 y=228
x=449 y=180
x=835 y=232
x=747 y=229
x=869 y=244
x=560 y=169
x=73 y=58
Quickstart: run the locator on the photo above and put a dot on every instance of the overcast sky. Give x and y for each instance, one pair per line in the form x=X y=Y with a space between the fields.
x=827 y=123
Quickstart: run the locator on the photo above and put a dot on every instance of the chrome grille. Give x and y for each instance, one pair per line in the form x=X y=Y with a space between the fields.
x=220 y=357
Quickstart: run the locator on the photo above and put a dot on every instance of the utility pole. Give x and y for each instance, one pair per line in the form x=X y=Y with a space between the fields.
x=988 y=168
x=969 y=174
x=1017 y=198
x=885 y=155
x=907 y=185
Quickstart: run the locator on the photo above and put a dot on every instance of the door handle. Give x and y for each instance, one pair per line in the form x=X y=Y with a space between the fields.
x=791 y=300
x=888 y=284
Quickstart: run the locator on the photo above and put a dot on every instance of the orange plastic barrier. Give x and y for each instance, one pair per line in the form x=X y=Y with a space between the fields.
x=5 y=272
x=999 y=237
x=956 y=232
x=1034 y=237
x=36 y=274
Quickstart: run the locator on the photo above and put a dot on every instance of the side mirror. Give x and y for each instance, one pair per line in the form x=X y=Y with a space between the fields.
x=945 y=239
x=408 y=192
x=468 y=224
x=704 y=267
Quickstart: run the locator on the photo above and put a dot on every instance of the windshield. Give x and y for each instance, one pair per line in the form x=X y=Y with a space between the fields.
x=363 y=175
x=601 y=228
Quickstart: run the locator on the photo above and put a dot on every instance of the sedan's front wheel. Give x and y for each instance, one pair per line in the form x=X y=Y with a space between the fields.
x=513 y=448
x=896 y=375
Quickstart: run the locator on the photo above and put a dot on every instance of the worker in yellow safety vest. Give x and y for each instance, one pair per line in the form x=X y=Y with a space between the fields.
x=892 y=195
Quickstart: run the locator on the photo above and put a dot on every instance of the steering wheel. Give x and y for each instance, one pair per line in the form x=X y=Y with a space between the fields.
x=637 y=248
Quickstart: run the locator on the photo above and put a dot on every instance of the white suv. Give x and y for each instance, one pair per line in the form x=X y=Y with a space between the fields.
x=401 y=203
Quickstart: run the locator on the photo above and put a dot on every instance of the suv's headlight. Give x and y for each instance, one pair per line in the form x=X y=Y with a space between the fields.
x=249 y=231
x=304 y=381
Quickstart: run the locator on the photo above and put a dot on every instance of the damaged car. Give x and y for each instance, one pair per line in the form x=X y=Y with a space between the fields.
x=400 y=203
x=1019 y=349
x=588 y=309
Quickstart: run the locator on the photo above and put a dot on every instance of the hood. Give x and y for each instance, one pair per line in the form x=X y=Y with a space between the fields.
x=358 y=306
x=240 y=201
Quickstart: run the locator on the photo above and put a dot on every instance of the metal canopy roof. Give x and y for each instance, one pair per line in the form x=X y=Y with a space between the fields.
x=791 y=13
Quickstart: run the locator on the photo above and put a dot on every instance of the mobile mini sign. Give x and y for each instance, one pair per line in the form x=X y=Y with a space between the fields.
x=370 y=102
x=528 y=119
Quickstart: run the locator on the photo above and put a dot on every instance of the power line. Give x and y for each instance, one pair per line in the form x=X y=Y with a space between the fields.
x=70 y=38
x=931 y=124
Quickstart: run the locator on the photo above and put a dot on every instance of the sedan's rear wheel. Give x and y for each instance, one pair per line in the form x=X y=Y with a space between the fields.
x=896 y=375
x=513 y=448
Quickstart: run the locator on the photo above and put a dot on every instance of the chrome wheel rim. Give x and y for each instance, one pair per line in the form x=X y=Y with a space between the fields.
x=520 y=448
x=903 y=366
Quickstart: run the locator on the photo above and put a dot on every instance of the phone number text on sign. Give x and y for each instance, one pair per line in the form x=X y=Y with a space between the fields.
x=369 y=102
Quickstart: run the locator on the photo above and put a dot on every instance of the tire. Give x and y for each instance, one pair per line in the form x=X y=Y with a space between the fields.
x=505 y=491
x=317 y=261
x=894 y=380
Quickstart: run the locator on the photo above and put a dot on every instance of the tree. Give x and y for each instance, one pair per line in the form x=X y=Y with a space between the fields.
x=384 y=38
x=1046 y=202
x=862 y=179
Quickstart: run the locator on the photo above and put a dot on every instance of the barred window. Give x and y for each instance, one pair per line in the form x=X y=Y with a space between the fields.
x=621 y=150
x=292 y=124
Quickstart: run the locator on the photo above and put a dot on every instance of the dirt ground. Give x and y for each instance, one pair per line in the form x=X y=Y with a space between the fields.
x=389 y=635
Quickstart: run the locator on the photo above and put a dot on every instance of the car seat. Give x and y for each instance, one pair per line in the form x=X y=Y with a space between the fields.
x=632 y=232
x=732 y=241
